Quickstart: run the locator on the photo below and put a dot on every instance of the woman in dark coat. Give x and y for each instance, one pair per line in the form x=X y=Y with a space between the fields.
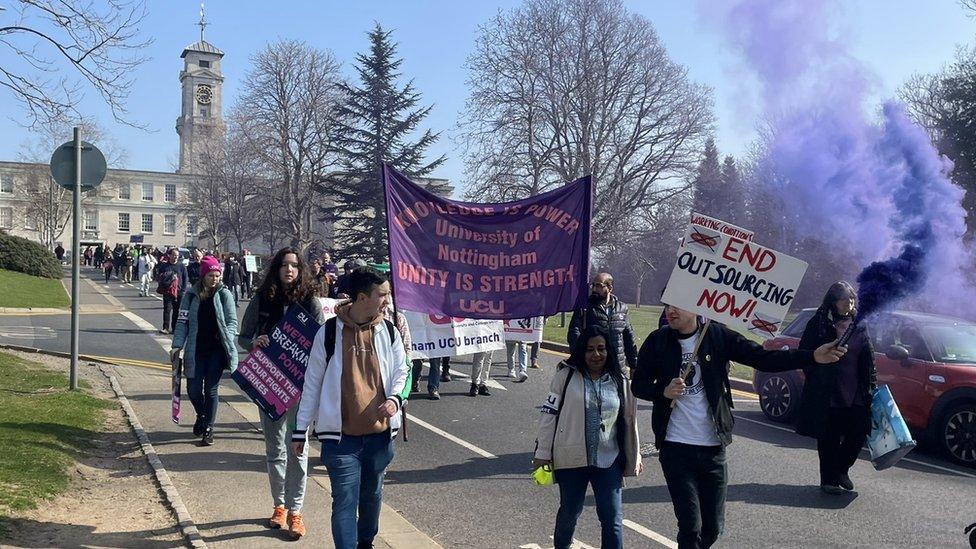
x=836 y=404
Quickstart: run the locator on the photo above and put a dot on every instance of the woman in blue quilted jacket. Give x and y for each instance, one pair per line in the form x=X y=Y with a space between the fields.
x=206 y=328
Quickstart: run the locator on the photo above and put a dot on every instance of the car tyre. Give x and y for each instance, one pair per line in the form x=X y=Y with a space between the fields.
x=957 y=434
x=779 y=397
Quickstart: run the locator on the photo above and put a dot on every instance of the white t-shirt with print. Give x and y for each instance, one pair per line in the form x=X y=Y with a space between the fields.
x=690 y=421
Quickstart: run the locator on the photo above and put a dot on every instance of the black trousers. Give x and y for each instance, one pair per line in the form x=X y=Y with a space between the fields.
x=841 y=443
x=697 y=478
x=171 y=307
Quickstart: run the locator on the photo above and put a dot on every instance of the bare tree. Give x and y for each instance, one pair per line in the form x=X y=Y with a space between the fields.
x=54 y=49
x=48 y=205
x=289 y=103
x=566 y=88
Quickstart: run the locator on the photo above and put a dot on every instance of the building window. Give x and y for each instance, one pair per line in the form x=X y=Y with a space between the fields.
x=147 y=192
x=6 y=183
x=123 y=222
x=124 y=191
x=170 y=195
x=91 y=220
x=147 y=223
x=191 y=225
x=31 y=221
x=169 y=224
x=205 y=112
x=204 y=64
x=6 y=218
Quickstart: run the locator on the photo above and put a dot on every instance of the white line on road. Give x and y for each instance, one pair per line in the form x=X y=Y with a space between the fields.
x=910 y=460
x=483 y=453
x=491 y=382
x=648 y=533
x=142 y=323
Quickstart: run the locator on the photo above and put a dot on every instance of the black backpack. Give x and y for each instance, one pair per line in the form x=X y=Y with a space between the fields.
x=330 y=336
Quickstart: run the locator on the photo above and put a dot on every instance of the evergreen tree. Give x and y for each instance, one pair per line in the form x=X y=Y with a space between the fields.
x=375 y=125
x=708 y=183
x=732 y=193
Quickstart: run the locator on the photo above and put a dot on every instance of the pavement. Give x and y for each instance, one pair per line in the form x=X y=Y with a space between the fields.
x=462 y=477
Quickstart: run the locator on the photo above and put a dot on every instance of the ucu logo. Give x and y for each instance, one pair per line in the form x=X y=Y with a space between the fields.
x=441 y=319
x=481 y=306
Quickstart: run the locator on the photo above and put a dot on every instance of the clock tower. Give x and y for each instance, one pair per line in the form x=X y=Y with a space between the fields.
x=201 y=122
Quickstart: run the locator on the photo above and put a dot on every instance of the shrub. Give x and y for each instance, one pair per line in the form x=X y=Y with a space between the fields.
x=29 y=257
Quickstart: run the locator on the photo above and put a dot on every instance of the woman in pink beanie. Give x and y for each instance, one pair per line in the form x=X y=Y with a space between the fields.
x=206 y=330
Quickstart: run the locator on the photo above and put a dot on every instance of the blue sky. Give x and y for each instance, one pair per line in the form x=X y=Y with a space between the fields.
x=894 y=38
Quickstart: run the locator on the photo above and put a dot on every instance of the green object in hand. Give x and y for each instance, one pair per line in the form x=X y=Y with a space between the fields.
x=543 y=475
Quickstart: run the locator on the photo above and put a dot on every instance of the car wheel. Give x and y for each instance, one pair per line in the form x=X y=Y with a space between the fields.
x=779 y=398
x=958 y=434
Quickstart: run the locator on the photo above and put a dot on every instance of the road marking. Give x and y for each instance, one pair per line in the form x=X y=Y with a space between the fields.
x=111 y=299
x=483 y=453
x=648 y=533
x=28 y=332
x=491 y=382
x=577 y=544
x=133 y=362
x=746 y=394
x=150 y=330
x=910 y=460
x=555 y=353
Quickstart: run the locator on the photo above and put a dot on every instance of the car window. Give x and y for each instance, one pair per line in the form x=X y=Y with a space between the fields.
x=951 y=342
x=795 y=329
x=908 y=335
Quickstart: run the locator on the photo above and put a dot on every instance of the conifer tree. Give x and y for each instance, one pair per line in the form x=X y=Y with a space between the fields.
x=378 y=123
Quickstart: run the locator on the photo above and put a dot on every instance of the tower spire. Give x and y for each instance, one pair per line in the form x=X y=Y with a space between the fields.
x=203 y=21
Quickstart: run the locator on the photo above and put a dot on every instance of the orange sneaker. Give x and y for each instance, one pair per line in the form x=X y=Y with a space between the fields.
x=296 y=526
x=277 y=519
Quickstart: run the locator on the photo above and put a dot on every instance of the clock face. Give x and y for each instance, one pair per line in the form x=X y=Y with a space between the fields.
x=204 y=94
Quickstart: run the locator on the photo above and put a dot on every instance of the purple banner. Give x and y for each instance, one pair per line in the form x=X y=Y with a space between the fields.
x=273 y=376
x=488 y=261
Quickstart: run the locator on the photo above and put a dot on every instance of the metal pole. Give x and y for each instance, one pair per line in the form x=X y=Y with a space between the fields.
x=75 y=264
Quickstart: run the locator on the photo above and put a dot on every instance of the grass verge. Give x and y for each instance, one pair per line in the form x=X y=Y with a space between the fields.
x=44 y=428
x=21 y=290
x=644 y=320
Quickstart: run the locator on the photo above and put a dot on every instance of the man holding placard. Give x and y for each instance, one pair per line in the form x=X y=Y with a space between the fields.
x=683 y=367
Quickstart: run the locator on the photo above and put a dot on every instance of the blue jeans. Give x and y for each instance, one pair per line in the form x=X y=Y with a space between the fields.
x=287 y=472
x=356 y=467
x=607 y=484
x=516 y=356
x=202 y=388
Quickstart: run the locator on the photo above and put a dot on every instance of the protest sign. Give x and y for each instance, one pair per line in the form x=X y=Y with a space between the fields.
x=250 y=264
x=177 y=368
x=492 y=261
x=730 y=280
x=524 y=329
x=329 y=306
x=721 y=227
x=434 y=336
x=273 y=376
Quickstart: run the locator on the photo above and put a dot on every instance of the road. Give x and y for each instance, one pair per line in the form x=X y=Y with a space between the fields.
x=463 y=476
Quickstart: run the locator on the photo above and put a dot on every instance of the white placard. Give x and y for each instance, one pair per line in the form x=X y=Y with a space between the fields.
x=730 y=280
x=524 y=329
x=720 y=226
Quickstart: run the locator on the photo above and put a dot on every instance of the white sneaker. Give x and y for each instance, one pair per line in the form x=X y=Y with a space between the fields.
x=522 y=376
x=511 y=374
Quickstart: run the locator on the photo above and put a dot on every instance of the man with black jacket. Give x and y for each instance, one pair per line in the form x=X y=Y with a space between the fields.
x=609 y=314
x=692 y=435
x=171 y=281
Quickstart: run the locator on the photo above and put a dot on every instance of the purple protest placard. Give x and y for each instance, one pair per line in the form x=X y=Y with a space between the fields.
x=488 y=261
x=273 y=376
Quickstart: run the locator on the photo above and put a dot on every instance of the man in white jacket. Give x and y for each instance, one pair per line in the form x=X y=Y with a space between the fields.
x=144 y=268
x=356 y=372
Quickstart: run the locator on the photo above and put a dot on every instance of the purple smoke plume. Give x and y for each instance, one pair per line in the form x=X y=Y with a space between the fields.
x=875 y=189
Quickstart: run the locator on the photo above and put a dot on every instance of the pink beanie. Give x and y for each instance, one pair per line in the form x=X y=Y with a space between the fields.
x=209 y=264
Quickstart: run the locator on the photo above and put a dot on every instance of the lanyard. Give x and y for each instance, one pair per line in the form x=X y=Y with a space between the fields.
x=598 y=391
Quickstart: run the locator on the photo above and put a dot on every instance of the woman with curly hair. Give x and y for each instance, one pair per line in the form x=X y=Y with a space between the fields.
x=286 y=282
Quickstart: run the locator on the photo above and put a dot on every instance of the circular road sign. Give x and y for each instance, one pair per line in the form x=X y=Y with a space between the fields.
x=92 y=166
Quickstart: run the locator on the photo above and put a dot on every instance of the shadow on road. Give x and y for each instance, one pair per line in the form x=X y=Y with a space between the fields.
x=143 y=538
x=474 y=468
x=780 y=495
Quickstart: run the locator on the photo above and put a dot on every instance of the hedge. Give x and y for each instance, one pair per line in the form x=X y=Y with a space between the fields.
x=29 y=257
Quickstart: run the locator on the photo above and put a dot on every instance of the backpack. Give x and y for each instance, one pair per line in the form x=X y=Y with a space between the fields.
x=169 y=283
x=330 y=336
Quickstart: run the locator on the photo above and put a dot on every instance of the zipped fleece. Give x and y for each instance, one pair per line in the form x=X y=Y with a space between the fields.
x=562 y=427
x=659 y=361
x=185 y=335
x=322 y=392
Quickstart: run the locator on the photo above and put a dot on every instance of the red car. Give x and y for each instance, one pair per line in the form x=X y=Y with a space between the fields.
x=928 y=362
